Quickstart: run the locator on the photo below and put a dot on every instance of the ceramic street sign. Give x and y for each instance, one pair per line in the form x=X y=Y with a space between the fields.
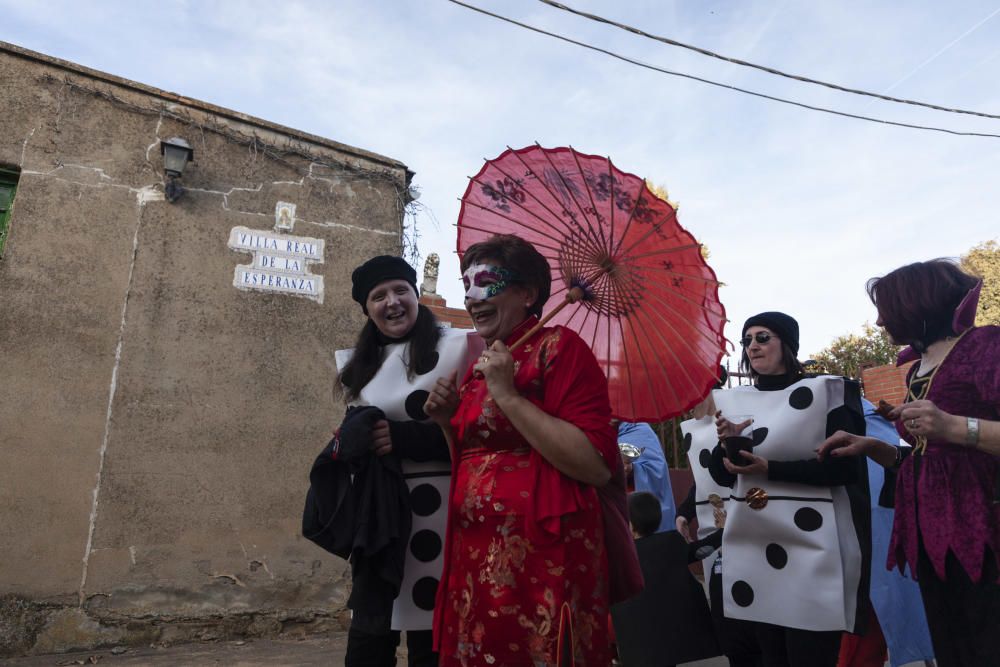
x=280 y=263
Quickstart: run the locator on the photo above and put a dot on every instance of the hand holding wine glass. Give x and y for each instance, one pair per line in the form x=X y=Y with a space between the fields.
x=736 y=435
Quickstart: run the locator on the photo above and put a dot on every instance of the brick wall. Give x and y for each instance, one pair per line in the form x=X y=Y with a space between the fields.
x=887 y=383
x=456 y=317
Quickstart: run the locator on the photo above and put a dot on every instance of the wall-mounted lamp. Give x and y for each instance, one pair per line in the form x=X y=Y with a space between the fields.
x=176 y=154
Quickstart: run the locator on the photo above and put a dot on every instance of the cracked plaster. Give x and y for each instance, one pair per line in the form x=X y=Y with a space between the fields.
x=159 y=423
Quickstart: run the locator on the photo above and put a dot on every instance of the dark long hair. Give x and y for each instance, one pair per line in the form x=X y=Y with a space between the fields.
x=793 y=367
x=917 y=302
x=369 y=353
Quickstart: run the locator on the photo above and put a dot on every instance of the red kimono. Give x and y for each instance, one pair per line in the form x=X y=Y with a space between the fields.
x=526 y=572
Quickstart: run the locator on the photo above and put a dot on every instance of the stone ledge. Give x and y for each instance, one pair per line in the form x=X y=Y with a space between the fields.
x=34 y=628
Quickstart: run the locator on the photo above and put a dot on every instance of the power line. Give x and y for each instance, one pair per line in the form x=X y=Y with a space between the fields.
x=716 y=83
x=771 y=70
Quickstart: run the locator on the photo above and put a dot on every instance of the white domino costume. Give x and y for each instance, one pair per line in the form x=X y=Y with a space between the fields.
x=700 y=438
x=796 y=553
x=402 y=399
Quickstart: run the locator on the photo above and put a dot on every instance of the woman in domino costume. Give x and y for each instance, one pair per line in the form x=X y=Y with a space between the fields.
x=400 y=353
x=797 y=539
x=946 y=528
x=708 y=500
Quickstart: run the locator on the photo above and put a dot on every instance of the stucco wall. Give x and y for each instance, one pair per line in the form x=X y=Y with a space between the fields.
x=157 y=424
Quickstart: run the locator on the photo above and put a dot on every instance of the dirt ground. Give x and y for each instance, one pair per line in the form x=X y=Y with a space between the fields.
x=327 y=650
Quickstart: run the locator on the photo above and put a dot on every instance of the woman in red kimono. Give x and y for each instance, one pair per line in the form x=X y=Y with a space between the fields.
x=526 y=571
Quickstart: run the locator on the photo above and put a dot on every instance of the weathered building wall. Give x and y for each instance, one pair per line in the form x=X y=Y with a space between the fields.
x=157 y=424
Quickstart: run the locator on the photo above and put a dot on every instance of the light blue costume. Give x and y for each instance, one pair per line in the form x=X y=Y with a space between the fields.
x=650 y=469
x=896 y=599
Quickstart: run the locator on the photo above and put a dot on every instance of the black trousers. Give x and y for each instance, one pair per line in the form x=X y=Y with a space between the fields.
x=753 y=644
x=791 y=647
x=736 y=637
x=963 y=617
x=378 y=649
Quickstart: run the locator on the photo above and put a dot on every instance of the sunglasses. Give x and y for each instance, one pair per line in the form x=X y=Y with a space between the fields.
x=762 y=338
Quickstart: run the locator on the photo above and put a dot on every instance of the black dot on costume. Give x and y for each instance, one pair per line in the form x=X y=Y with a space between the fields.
x=808 y=519
x=777 y=557
x=415 y=404
x=801 y=398
x=424 y=591
x=425 y=545
x=428 y=363
x=425 y=500
x=705 y=458
x=758 y=435
x=742 y=594
x=687 y=443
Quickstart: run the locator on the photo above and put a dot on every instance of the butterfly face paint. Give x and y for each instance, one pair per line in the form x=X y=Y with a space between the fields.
x=483 y=281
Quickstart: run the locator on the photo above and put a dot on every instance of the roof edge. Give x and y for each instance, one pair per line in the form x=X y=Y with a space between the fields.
x=27 y=54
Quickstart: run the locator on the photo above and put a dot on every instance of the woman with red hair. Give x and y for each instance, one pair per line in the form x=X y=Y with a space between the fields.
x=947 y=523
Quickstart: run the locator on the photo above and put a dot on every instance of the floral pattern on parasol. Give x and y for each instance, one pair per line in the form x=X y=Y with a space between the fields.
x=648 y=302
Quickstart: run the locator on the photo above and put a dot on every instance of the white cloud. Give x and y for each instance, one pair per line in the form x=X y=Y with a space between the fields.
x=798 y=208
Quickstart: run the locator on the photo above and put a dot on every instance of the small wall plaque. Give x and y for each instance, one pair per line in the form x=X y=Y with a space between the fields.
x=284 y=216
x=280 y=262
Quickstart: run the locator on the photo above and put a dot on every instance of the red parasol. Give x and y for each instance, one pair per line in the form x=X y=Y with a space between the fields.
x=649 y=304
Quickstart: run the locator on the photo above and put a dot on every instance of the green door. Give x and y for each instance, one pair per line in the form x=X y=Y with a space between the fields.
x=8 y=184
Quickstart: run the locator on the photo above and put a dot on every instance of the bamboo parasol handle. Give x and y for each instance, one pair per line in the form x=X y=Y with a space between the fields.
x=572 y=296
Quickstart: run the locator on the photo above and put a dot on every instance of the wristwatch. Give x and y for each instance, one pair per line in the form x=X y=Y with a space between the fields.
x=971 y=431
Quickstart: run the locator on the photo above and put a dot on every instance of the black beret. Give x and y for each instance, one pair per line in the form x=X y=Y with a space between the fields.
x=781 y=324
x=376 y=270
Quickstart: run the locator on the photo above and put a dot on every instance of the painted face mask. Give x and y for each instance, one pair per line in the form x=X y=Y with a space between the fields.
x=483 y=281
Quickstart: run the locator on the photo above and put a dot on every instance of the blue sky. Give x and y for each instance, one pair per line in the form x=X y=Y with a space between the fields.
x=798 y=208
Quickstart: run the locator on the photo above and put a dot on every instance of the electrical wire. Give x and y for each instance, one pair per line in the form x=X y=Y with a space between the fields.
x=771 y=70
x=718 y=84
